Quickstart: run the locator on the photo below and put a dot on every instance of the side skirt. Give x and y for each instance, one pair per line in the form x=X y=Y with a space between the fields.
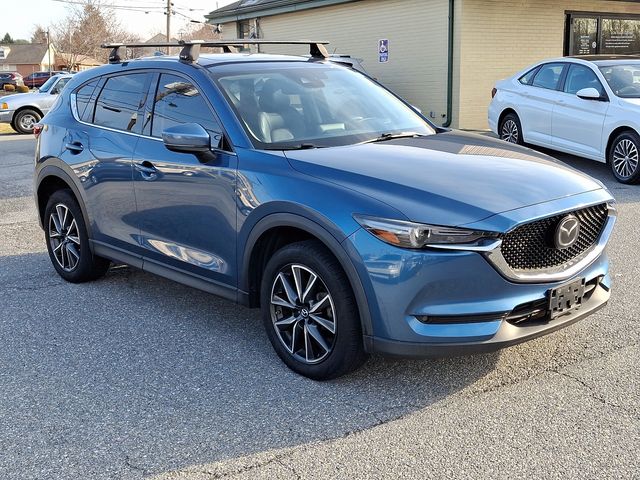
x=177 y=275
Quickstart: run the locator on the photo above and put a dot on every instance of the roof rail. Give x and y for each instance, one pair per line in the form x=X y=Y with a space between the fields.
x=191 y=49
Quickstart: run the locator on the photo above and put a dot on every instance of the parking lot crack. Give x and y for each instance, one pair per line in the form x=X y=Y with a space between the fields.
x=132 y=466
x=594 y=394
x=289 y=467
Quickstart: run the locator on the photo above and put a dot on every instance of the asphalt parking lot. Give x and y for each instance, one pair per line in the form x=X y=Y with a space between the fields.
x=135 y=376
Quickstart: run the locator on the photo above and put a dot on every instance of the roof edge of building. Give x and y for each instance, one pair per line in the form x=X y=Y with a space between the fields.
x=268 y=9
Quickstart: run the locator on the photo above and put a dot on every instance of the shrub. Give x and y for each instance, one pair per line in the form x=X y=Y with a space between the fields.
x=22 y=89
x=9 y=88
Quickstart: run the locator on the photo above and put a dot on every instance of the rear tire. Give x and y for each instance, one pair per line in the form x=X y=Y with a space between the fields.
x=24 y=120
x=624 y=158
x=310 y=313
x=510 y=129
x=68 y=242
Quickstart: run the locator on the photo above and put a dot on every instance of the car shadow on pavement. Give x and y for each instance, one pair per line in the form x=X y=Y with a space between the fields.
x=134 y=374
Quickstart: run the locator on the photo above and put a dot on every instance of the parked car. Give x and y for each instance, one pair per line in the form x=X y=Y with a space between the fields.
x=304 y=188
x=588 y=106
x=37 y=79
x=22 y=111
x=10 y=78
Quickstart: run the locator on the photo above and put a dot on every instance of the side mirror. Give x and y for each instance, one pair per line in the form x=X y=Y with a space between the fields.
x=187 y=138
x=589 y=94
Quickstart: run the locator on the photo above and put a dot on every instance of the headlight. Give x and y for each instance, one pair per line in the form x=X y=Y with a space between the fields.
x=419 y=235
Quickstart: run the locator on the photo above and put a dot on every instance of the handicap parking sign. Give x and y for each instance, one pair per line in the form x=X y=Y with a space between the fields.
x=383 y=50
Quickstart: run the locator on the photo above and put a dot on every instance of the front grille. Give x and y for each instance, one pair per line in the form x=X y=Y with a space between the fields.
x=531 y=246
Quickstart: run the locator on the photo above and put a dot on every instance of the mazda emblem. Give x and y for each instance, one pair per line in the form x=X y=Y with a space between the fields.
x=567 y=232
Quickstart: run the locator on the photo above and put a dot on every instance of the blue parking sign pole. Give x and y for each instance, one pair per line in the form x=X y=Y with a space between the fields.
x=383 y=50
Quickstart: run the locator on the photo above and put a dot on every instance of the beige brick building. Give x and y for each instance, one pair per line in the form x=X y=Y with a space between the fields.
x=444 y=56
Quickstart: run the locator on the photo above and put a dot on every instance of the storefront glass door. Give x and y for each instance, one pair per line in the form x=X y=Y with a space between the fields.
x=589 y=34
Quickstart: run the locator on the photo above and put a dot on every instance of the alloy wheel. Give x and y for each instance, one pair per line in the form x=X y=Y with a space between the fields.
x=625 y=158
x=303 y=313
x=64 y=237
x=27 y=121
x=509 y=132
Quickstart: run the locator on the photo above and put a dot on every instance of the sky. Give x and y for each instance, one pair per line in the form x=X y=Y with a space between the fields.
x=19 y=22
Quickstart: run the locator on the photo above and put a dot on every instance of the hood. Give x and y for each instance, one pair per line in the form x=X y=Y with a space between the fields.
x=630 y=102
x=451 y=178
x=34 y=98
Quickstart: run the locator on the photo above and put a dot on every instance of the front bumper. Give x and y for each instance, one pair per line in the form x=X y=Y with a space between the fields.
x=6 y=116
x=507 y=334
x=445 y=302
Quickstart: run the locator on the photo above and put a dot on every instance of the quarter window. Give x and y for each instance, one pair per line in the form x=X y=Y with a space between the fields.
x=548 y=76
x=178 y=101
x=527 y=78
x=83 y=100
x=580 y=77
x=120 y=100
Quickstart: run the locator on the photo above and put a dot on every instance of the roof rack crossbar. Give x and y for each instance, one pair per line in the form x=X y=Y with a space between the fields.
x=191 y=49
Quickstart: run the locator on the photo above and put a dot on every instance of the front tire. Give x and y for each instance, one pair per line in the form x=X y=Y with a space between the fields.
x=624 y=158
x=25 y=120
x=68 y=242
x=310 y=313
x=510 y=129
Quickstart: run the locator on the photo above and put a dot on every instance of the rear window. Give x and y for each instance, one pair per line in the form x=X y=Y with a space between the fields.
x=120 y=100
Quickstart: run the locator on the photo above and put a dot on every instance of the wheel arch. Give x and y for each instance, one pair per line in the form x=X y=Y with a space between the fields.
x=506 y=112
x=278 y=229
x=51 y=179
x=613 y=135
x=29 y=107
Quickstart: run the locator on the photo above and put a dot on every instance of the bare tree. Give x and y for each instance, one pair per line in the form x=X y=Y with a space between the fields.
x=85 y=28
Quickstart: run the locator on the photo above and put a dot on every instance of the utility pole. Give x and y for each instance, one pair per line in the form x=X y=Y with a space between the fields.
x=168 y=25
x=49 y=50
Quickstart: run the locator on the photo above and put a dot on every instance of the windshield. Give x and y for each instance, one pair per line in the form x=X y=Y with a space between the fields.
x=624 y=80
x=46 y=86
x=310 y=105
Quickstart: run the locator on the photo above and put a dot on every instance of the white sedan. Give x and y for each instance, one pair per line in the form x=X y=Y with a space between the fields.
x=588 y=106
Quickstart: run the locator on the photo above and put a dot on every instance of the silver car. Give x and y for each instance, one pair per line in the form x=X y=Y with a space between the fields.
x=23 y=110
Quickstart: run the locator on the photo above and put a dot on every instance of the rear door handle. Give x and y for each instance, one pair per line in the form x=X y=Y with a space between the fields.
x=147 y=170
x=74 y=147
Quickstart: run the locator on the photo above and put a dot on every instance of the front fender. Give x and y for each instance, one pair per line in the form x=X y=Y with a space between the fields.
x=321 y=228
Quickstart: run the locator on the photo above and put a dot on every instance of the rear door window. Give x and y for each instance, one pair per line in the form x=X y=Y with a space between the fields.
x=119 y=103
x=549 y=76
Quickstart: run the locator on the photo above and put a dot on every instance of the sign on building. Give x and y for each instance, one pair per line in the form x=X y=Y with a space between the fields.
x=383 y=50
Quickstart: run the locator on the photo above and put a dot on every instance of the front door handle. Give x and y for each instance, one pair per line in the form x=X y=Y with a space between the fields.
x=74 y=147
x=147 y=170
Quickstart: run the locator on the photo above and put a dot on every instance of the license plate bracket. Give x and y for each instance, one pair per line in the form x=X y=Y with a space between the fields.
x=566 y=298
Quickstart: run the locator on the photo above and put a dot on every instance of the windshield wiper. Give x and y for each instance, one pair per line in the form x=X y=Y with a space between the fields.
x=299 y=146
x=391 y=136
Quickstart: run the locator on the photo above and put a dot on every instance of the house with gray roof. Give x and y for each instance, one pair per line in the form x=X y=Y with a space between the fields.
x=27 y=58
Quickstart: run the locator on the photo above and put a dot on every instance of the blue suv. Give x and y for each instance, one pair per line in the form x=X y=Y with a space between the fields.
x=301 y=186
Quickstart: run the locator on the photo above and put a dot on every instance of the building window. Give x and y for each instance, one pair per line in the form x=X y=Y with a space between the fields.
x=244 y=29
x=1 y=52
x=590 y=34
